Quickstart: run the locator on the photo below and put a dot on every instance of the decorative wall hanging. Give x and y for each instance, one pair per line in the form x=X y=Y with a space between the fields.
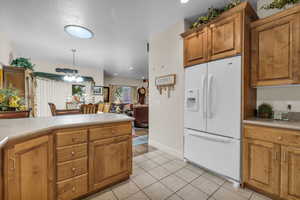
x=97 y=90
x=165 y=83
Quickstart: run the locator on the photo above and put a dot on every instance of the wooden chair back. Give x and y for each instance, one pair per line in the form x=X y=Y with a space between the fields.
x=52 y=108
x=106 y=108
x=101 y=107
x=89 y=108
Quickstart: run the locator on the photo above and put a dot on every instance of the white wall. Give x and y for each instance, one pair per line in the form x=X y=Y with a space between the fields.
x=166 y=114
x=278 y=97
x=6 y=49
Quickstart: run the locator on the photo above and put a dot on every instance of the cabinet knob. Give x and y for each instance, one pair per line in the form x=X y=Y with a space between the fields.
x=73 y=189
x=73 y=169
x=279 y=138
x=72 y=153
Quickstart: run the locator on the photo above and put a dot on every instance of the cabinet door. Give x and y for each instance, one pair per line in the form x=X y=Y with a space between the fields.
x=14 y=77
x=262 y=165
x=225 y=37
x=30 y=170
x=275 y=52
x=290 y=173
x=108 y=159
x=195 y=48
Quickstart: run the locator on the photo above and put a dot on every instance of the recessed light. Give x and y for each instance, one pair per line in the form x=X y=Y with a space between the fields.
x=131 y=68
x=184 y=1
x=79 y=31
x=116 y=74
x=143 y=77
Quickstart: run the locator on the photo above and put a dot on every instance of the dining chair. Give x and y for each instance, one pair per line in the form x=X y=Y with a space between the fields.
x=106 y=108
x=101 y=107
x=89 y=108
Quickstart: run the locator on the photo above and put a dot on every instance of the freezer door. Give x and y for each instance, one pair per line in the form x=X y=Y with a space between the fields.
x=224 y=97
x=216 y=153
x=195 y=97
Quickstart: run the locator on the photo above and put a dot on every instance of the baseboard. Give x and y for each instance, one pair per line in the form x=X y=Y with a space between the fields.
x=166 y=149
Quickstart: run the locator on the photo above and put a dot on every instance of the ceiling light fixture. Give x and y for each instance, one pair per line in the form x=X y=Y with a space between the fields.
x=184 y=1
x=116 y=74
x=130 y=68
x=79 y=31
x=73 y=76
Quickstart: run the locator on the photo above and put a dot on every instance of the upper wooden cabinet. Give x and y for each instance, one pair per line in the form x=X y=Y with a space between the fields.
x=225 y=37
x=29 y=170
x=195 y=48
x=275 y=49
x=222 y=37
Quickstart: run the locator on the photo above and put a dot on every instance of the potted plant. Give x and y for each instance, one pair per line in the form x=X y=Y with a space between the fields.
x=10 y=100
x=22 y=62
x=265 y=110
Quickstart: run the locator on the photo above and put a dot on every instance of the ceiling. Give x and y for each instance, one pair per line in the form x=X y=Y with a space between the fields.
x=122 y=29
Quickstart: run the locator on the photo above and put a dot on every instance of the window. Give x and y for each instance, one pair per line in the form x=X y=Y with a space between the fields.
x=126 y=95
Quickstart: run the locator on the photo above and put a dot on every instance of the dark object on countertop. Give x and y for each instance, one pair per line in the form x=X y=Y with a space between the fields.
x=265 y=110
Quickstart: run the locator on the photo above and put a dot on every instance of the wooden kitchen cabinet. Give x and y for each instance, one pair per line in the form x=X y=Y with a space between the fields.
x=290 y=173
x=195 y=48
x=275 y=49
x=271 y=161
x=113 y=157
x=262 y=165
x=225 y=37
x=29 y=170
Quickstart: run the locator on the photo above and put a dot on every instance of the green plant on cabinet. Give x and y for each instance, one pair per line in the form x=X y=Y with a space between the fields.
x=22 y=62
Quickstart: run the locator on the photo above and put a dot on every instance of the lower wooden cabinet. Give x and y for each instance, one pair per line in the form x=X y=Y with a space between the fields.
x=57 y=166
x=29 y=170
x=112 y=156
x=262 y=165
x=271 y=161
x=290 y=173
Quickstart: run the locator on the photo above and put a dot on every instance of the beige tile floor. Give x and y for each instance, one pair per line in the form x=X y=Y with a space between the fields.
x=158 y=176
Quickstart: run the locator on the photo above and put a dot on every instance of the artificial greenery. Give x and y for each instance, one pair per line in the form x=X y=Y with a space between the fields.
x=10 y=100
x=22 y=62
x=279 y=4
x=78 y=90
x=214 y=12
x=265 y=110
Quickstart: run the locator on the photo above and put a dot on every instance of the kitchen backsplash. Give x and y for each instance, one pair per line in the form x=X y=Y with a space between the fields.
x=278 y=97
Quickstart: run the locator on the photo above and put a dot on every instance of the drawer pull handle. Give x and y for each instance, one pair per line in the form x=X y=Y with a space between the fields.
x=276 y=155
x=13 y=164
x=284 y=157
x=279 y=138
x=73 y=169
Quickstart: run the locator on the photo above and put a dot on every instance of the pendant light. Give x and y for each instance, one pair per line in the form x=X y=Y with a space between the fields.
x=74 y=76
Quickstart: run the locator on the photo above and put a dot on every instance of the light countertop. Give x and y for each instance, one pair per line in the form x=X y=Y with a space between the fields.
x=11 y=129
x=293 y=125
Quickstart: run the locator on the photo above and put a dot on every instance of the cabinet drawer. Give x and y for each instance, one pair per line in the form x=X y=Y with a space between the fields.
x=65 y=138
x=275 y=135
x=72 y=188
x=107 y=132
x=71 y=169
x=71 y=152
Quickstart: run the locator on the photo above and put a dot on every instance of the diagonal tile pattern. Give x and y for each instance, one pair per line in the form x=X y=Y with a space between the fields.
x=160 y=176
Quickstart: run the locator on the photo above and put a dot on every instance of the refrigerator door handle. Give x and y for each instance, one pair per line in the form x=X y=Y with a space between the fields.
x=211 y=138
x=209 y=94
x=203 y=96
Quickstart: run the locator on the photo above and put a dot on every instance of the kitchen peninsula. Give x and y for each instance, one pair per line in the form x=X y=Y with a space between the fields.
x=63 y=157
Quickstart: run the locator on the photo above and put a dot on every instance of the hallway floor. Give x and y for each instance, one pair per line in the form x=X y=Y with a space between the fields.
x=158 y=176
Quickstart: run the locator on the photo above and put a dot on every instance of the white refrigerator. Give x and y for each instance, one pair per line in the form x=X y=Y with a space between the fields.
x=212 y=118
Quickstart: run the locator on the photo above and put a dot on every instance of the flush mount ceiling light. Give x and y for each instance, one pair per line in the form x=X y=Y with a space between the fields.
x=184 y=1
x=79 y=31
